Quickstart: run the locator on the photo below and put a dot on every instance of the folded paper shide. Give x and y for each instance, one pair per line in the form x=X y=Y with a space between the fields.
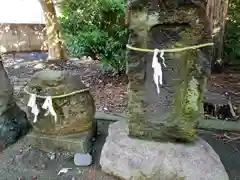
x=47 y=105
x=157 y=69
x=33 y=105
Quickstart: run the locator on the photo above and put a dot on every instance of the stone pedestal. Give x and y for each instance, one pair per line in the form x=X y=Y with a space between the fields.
x=77 y=143
x=134 y=159
x=75 y=126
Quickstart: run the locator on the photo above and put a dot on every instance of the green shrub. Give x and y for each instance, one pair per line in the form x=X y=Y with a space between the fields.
x=232 y=33
x=95 y=28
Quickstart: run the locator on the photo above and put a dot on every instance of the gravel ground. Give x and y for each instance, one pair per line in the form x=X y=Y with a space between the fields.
x=109 y=92
x=21 y=161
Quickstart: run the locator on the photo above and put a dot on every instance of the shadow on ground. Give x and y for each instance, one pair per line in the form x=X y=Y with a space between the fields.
x=229 y=154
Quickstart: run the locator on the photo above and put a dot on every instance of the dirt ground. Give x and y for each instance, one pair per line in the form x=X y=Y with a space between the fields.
x=227 y=83
x=110 y=93
x=23 y=162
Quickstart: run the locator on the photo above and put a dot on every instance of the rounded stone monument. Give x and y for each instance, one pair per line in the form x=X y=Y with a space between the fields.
x=68 y=115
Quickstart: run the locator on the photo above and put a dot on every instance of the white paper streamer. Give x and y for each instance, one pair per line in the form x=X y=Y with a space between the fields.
x=157 y=69
x=33 y=105
x=163 y=59
x=49 y=107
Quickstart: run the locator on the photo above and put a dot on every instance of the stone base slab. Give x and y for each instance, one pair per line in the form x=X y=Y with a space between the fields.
x=77 y=143
x=134 y=159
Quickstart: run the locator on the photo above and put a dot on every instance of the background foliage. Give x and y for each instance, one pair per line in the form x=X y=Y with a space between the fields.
x=232 y=33
x=96 y=28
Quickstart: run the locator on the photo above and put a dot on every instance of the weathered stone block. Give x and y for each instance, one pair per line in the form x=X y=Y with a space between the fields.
x=75 y=127
x=75 y=111
x=174 y=113
x=77 y=143
x=134 y=159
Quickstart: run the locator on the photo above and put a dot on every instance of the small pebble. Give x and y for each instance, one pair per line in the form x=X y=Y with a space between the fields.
x=16 y=66
x=39 y=66
x=43 y=166
x=82 y=159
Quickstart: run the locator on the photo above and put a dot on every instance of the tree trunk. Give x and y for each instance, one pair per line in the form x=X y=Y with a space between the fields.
x=56 y=50
x=216 y=12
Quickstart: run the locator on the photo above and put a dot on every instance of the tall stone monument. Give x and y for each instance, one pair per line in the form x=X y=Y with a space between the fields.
x=144 y=146
x=175 y=111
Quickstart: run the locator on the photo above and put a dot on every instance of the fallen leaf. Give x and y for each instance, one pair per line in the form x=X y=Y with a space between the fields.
x=63 y=170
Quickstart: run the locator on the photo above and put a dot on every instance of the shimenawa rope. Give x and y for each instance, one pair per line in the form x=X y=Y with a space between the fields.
x=157 y=67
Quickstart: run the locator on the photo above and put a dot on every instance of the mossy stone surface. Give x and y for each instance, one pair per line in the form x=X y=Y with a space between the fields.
x=175 y=112
x=75 y=113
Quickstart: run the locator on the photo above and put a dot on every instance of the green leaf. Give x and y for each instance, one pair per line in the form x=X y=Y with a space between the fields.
x=93 y=27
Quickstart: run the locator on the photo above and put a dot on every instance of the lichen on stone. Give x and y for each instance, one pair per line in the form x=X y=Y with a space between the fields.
x=141 y=22
x=192 y=96
x=186 y=72
x=75 y=112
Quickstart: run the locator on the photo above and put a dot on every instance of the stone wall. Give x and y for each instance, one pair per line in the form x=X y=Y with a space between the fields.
x=22 y=37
